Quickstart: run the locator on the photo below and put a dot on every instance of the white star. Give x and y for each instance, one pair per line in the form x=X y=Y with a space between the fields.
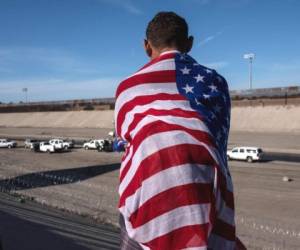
x=217 y=108
x=182 y=57
x=185 y=71
x=208 y=71
x=206 y=96
x=188 y=89
x=212 y=115
x=213 y=88
x=198 y=102
x=199 y=78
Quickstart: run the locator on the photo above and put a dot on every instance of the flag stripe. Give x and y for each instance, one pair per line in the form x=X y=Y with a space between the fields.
x=143 y=100
x=145 y=90
x=159 y=104
x=192 y=236
x=176 y=196
x=176 y=112
x=150 y=77
x=169 y=178
x=152 y=144
x=163 y=65
x=172 y=220
x=163 y=159
x=162 y=127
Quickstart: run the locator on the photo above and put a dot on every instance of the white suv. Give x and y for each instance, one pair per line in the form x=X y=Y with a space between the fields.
x=249 y=154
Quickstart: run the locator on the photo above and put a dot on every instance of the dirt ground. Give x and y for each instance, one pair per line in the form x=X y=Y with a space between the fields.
x=85 y=182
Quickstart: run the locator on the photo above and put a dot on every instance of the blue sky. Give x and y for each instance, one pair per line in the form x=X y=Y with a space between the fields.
x=66 y=49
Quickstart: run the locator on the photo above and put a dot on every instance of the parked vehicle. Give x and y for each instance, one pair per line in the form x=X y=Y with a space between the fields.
x=46 y=147
x=5 y=143
x=105 y=145
x=93 y=144
x=30 y=143
x=61 y=144
x=248 y=154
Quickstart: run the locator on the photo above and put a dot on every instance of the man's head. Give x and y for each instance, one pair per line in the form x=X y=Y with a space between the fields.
x=167 y=31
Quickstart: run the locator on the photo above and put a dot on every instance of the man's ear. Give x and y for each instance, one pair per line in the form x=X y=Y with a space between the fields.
x=189 y=44
x=148 y=48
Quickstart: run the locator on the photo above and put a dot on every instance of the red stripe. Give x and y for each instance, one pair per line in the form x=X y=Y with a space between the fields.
x=143 y=100
x=189 y=194
x=157 y=59
x=224 y=230
x=160 y=127
x=163 y=76
x=164 y=159
x=184 y=237
x=177 y=112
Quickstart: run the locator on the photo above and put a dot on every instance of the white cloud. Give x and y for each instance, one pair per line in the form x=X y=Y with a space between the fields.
x=209 y=38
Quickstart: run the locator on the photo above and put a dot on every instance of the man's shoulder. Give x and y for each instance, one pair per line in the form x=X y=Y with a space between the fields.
x=151 y=71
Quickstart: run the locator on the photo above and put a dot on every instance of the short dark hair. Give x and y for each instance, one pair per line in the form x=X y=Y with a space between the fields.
x=167 y=29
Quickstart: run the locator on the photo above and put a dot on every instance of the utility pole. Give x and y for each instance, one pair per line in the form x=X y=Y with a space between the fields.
x=250 y=57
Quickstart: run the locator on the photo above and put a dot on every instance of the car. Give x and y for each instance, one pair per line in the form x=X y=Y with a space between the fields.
x=248 y=154
x=105 y=145
x=5 y=143
x=30 y=143
x=61 y=144
x=46 y=147
x=93 y=144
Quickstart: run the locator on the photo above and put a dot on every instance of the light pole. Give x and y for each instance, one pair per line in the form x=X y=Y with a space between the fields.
x=25 y=90
x=250 y=56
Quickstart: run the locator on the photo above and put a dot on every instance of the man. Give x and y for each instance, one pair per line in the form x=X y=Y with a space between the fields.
x=175 y=187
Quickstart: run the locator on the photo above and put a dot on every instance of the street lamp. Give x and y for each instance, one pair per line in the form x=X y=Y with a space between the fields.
x=25 y=90
x=250 y=56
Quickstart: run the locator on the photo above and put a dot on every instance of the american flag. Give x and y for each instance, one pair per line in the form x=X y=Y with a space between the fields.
x=175 y=188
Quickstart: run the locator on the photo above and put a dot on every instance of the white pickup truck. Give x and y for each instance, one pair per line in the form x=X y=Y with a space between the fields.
x=60 y=144
x=46 y=147
x=93 y=144
x=4 y=143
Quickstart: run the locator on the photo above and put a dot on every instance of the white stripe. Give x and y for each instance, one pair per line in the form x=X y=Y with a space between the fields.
x=159 y=104
x=155 y=143
x=167 y=179
x=179 y=217
x=218 y=242
x=144 y=90
x=167 y=64
x=126 y=160
x=190 y=123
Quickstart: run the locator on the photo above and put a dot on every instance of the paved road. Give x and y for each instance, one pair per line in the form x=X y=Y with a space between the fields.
x=30 y=226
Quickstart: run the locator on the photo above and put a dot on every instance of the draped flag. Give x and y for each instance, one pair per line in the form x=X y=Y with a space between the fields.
x=175 y=187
